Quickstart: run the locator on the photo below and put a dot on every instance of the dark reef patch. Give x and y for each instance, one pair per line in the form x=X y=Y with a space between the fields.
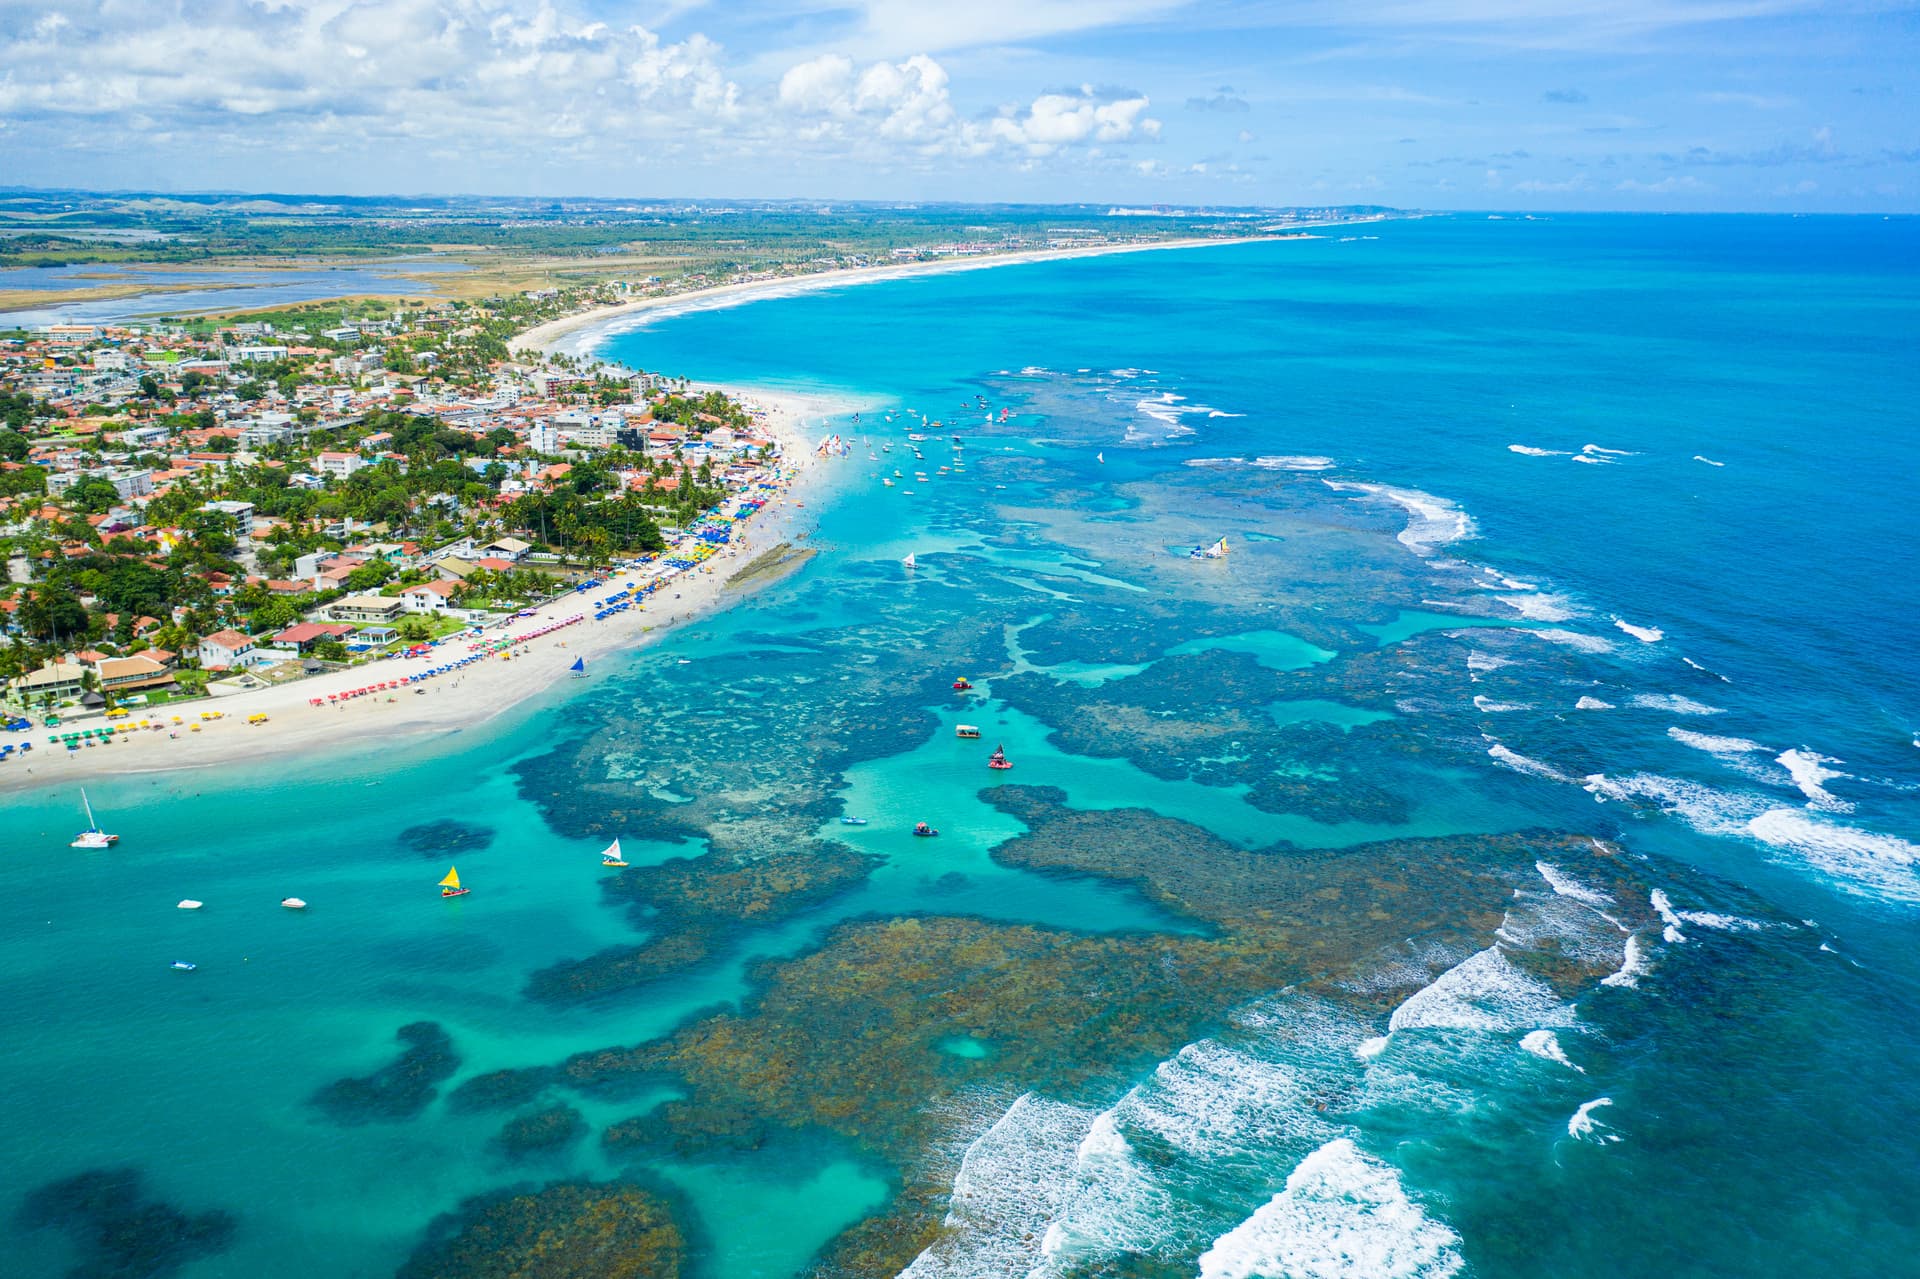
x=447 y=837
x=500 y=1090
x=399 y=1090
x=540 y=1133
x=120 y=1233
x=694 y=905
x=567 y=1230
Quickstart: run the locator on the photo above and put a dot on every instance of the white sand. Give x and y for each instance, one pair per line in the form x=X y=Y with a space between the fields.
x=460 y=699
x=549 y=336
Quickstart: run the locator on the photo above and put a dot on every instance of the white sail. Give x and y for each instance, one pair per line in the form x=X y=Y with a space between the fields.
x=909 y=562
x=1100 y=457
x=611 y=853
x=91 y=823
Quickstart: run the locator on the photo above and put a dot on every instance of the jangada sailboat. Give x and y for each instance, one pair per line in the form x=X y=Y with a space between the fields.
x=92 y=836
x=610 y=855
x=909 y=561
x=1217 y=551
x=450 y=886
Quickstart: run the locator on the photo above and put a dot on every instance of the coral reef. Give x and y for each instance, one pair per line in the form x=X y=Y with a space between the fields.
x=119 y=1232
x=567 y=1230
x=399 y=1090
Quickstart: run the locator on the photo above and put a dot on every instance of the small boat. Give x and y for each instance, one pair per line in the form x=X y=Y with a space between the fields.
x=609 y=856
x=962 y=684
x=92 y=837
x=293 y=903
x=1100 y=458
x=579 y=668
x=187 y=903
x=966 y=730
x=853 y=821
x=924 y=831
x=183 y=966
x=450 y=886
x=1217 y=551
x=909 y=561
x=887 y=482
x=999 y=759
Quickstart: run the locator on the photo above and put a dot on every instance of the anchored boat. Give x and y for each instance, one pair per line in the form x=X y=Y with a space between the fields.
x=92 y=836
x=1217 y=551
x=998 y=759
x=966 y=730
x=450 y=886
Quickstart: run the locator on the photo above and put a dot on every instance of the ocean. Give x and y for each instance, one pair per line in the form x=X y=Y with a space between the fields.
x=1503 y=861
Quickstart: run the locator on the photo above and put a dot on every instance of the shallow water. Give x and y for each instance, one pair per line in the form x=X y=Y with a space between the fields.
x=1502 y=1069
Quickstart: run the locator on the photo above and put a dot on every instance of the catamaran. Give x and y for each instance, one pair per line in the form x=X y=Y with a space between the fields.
x=1217 y=551
x=610 y=855
x=450 y=886
x=92 y=836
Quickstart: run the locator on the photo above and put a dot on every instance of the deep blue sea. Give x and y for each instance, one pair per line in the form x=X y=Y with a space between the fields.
x=1504 y=861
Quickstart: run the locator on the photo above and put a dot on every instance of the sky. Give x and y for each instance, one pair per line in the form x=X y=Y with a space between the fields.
x=1549 y=105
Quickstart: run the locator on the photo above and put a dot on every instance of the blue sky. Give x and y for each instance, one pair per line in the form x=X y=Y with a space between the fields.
x=1509 y=104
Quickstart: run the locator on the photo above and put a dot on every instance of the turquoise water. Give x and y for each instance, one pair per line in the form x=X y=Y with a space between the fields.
x=1420 y=632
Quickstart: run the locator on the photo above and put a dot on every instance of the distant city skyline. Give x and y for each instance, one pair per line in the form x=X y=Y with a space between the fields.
x=1666 y=105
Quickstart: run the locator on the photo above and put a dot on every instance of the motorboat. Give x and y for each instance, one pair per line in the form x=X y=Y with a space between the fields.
x=924 y=831
x=293 y=903
x=966 y=730
x=188 y=903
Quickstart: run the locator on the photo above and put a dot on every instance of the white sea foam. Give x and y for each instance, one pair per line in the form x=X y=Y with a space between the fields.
x=1521 y=764
x=1014 y=1178
x=1645 y=634
x=1714 y=745
x=1540 y=608
x=1675 y=704
x=1592 y=704
x=1663 y=907
x=1223 y=413
x=1371 y=1048
x=1704 y=671
x=1594 y=450
x=1479 y=661
x=1483 y=992
x=1530 y=451
x=1343 y=1215
x=1567 y=886
x=1433 y=521
x=1863 y=860
x=1584 y=1127
x=1545 y=1045
x=1277 y=462
x=1591 y=460
x=1809 y=773
x=1721 y=923
x=1709 y=461
x=1633 y=966
x=1572 y=639
x=1487 y=706
x=1709 y=811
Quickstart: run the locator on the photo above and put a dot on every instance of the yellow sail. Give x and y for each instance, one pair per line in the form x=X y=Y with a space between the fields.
x=453 y=878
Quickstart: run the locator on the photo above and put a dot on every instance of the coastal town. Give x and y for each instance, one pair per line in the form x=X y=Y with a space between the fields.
x=198 y=511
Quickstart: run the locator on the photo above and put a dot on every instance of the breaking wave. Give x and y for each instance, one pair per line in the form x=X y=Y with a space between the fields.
x=1433 y=521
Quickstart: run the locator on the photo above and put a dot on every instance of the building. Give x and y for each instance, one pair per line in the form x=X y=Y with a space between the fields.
x=226 y=650
x=303 y=637
x=255 y=354
x=61 y=679
x=241 y=513
x=122 y=675
x=367 y=609
x=339 y=465
x=507 y=548
x=429 y=597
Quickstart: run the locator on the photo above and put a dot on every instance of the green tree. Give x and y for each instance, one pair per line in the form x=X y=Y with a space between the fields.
x=94 y=495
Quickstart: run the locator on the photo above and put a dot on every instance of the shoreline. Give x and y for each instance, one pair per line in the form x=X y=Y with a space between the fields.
x=488 y=689
x=545 y=338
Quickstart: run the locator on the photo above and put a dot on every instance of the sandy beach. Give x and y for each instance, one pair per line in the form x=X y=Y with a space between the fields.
x=550 y=336
x=473 y=695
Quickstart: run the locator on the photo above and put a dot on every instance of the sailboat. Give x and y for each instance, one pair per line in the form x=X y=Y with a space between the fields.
x=92 y=837
x=999 y=760
x=1217 y=551
x=909 y=560
x=450 y=886
x=579 y=668
x=610 y=855
x=1100 y=458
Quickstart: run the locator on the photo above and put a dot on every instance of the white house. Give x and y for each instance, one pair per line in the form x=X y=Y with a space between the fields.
x=339 y=465
x=429 y=597
x=226 y=650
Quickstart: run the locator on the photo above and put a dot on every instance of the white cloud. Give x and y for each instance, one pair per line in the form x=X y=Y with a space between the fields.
x=1665 y=186
x=492 y=79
